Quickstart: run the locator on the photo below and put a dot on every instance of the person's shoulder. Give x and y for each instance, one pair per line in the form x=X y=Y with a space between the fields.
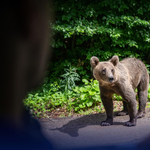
x=29 y=137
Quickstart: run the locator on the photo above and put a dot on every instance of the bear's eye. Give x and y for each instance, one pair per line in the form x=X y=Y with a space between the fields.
x=104 y=71
x=112 y=70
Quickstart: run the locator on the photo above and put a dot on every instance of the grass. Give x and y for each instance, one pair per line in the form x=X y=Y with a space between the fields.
x=49 y=101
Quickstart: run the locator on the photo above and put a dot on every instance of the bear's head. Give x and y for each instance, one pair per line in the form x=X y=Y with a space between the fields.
x=104 y=71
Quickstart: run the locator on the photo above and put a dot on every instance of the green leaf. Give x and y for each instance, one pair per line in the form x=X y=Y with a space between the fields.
x=85 y=81
x=92 y=92
x=83 y=96
x=89 y=104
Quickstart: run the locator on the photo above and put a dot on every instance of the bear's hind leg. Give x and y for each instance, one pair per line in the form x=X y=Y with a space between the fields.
x=124 y=111
x=142 y=95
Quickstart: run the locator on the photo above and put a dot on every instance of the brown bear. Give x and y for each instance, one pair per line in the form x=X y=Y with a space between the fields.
x=122 y=78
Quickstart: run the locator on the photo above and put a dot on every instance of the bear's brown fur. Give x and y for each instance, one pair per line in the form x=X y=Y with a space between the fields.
x=122 y=78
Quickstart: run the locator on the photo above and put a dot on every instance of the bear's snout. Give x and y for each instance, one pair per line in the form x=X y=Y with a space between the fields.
x=111 y=79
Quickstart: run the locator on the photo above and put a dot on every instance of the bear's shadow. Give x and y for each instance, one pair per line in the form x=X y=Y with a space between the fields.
x=72 y=127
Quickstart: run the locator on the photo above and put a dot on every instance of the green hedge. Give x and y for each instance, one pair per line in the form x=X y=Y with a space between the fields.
x=101 y=28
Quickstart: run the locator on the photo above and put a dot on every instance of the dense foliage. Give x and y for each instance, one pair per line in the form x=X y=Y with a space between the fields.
x=90 y=28
x=101 y=28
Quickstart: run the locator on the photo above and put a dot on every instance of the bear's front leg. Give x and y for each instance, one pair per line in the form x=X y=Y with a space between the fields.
x=129 y=96
x=132 y=113
x=108 y=105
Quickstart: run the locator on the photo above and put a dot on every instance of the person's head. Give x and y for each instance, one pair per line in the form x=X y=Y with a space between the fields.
x=24 y=47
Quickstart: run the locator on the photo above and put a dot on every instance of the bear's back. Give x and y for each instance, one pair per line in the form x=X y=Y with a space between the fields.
x=134 y=65
x=136 y=70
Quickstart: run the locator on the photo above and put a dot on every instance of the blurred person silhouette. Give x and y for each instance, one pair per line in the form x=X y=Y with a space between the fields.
x=24 y=54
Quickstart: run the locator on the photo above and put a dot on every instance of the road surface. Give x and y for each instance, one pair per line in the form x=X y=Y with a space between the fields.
x=85 y=131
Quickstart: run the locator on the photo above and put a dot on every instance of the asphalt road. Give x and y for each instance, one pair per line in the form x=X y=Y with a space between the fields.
x=85 y=131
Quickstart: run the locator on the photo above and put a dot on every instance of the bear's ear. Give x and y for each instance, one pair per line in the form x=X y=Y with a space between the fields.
x=94 y=61
x=114 y=60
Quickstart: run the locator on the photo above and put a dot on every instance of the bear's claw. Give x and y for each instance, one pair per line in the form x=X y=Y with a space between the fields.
x=122 y=113
x=104 y=123
x=129 y=124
